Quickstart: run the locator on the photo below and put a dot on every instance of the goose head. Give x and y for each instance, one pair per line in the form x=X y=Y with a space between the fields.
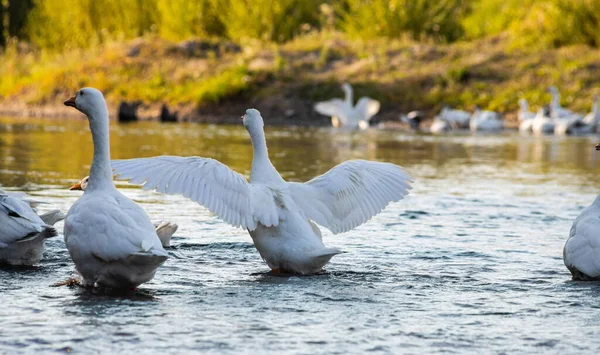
x=89 y=101
x=253 y=121
x=81 y=185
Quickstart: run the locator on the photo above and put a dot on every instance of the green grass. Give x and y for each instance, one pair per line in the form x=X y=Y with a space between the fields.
x=402 y=74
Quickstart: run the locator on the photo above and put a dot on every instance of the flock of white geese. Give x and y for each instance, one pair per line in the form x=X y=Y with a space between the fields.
x=550 y=119
x=113 y=243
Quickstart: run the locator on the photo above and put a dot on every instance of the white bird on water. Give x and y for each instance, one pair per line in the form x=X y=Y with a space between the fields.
x=525 y=117
x=22 y=232
x=485 y=121
x=344 y=114
x=581 y=253
x=109 y=237
x=280 y=216
x=164 y=229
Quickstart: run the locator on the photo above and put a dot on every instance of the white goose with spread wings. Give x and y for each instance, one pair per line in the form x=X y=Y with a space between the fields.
x=109 y=237
x=280 y=216
x=343 y=113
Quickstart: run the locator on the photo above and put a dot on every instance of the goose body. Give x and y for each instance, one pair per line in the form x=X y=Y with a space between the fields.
x=525 y=117
x=581 y=253
x=344 y=114
x=109 y=237
x=164 y=229
x=543 y=123
x=280 y=216
x=22 y=232
x=485 y=121
x=556 y=110
x=440 y=126
x=456 y=118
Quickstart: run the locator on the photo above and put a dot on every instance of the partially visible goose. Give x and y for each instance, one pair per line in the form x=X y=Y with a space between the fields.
x=50 y=218
x=594 y=116
x=485 y=121
x=556 y=110
x=343 y=113
x=543 y=123
x=577 y=124
x=414 y=119
x=525 y=117
x=456 y=118
x=109 y=237
x=22 y=232
x=280 y=216
x=581 y=253
x=439 y=126
x=164 y=229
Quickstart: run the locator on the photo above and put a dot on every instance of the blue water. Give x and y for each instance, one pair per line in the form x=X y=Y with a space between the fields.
x=469 y=262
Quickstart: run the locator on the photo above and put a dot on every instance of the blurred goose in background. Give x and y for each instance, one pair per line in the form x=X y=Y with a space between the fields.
x=556 y=110
x=593 y=117
x=485 y=121
x=22 y=232
x=280 y=216
x=109 y=237
x=413 y=119
x=542 y=122
x=439 y=126
x=343 y=113
x=456 y=118
x=525 y=117
x=164 y=229
x=577 y=124
x=581 y=253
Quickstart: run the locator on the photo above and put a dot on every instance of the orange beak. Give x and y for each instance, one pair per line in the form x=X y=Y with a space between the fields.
x=76 y=187
x=70 y=101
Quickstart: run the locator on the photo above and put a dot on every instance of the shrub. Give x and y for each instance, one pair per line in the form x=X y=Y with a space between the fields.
x=439 y=20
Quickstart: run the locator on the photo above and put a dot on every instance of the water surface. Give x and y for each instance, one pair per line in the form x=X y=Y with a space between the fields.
x=469 y=262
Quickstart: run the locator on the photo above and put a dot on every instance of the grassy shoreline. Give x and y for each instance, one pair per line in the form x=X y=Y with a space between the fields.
x=213 y=81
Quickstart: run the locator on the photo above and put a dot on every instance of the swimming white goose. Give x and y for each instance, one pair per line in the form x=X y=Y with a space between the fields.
x=456 y=118
x=343 y=113
x=581 y=253
x=280 y=216
x=525 y=117
x=109 y=237
x=164 y=229
x=22 y=232
x=485 y=121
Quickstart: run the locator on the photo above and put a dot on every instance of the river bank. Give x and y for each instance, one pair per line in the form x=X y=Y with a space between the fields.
x=215 y=81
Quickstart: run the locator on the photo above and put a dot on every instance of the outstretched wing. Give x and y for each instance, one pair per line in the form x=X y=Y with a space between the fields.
x=351 y=193
x=334 y=107
x=367 y=108
x=224 y=192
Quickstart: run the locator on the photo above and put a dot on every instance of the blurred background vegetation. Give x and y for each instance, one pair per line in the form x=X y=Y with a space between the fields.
x=52 y=45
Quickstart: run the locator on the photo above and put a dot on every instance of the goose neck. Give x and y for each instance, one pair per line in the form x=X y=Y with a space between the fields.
x=101 y=171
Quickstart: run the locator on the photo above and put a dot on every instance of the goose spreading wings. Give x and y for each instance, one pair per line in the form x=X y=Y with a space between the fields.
x=343 y=113
x=280 y=216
